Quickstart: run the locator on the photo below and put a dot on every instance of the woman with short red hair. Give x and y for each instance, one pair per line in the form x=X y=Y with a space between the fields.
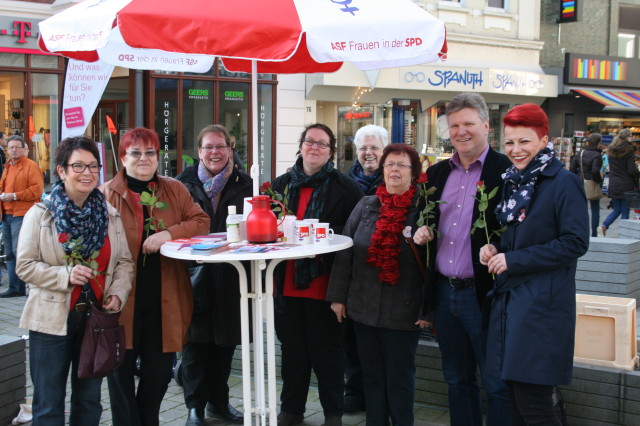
x=533 y=310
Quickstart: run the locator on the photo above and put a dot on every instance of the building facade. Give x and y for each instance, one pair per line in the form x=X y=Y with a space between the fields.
x=596 y=56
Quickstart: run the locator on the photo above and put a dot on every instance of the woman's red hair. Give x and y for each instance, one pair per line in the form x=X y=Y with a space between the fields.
x=147 y=138
x=528 y=115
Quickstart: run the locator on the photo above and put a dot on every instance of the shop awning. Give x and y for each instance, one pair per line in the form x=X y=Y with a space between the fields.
x=614 y=100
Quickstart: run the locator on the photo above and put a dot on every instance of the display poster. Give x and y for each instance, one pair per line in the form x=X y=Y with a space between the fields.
x=83 y=87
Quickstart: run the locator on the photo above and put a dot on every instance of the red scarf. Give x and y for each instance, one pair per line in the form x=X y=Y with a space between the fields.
x=384 y=250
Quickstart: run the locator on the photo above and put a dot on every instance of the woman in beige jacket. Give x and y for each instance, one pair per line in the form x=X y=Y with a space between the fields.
x=55 y=312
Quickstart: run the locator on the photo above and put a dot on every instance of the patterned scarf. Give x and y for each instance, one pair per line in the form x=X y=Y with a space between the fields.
x=384 y=250
x=308 y=269
x=519 y=187
x=213 y=185
x=89 y=222
x=366 y=182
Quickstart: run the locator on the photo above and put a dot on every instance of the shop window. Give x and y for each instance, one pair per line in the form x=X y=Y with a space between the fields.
x=45 y=61
x=350 y=119
x=629 y=31
x=233 y=100
x=43 y=123
x=197 y=112
x=12 y=60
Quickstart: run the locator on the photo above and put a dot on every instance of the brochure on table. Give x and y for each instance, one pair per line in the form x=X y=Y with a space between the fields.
x=216 y=243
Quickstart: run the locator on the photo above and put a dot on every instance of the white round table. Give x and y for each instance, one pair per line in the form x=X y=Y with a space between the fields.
x=262 y=303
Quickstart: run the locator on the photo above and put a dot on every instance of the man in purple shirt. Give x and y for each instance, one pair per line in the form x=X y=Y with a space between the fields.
x=457 y=278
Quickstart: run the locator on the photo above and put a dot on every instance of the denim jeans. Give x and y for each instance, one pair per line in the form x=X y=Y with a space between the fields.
x=620 y=208
x=595 y=216
x=463 y=347
x=50 y=358
x=11 y=225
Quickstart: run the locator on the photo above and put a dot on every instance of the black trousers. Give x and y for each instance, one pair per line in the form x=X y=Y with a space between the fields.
x=535 y=405
x=354 y=387
x=142 y=407
x=311 y=338
x=205 y=372
x=389 y=367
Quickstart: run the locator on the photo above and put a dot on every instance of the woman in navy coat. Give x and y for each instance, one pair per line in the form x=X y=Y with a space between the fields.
x=533 y=309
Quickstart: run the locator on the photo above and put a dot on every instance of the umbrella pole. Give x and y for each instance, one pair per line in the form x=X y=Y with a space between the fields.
x=255 y=168
x=115 y=159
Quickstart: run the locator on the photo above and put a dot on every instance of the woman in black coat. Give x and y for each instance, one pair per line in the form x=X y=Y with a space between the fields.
x=378 y=284
x=309 y=334
x=587 y=164
x=533 y=311
x=623 y=177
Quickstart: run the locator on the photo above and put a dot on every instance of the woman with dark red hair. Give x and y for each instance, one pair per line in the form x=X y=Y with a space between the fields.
x=532 y=323
x=158 y=313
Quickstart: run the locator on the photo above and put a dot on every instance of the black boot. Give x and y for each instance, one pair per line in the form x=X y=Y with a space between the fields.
x=196 y=417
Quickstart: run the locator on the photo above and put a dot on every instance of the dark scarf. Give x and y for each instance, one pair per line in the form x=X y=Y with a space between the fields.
x=367 y=183
x=89 y=222
x=308 y=269
x=384 y=250
x=519 y=187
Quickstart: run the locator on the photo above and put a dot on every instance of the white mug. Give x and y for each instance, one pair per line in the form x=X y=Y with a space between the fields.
x=302 y=232
x=322 y=233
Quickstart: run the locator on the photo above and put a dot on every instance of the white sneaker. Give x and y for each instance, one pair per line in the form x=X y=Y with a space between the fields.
x=601 y=231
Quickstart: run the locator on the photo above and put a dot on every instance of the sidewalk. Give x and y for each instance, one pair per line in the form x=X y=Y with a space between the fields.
x=173 y=411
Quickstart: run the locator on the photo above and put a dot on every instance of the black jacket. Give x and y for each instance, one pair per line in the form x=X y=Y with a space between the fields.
x=591 y=164
x=494 y=165
x=623 y=173
x=216 y=293
x=342 y=197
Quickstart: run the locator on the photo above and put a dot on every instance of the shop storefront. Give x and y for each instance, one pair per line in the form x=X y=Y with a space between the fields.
x=600 y=94
x=410 y=103
x=30 y=87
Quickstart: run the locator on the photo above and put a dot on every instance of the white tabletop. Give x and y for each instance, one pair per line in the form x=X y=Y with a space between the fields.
x=339 y=242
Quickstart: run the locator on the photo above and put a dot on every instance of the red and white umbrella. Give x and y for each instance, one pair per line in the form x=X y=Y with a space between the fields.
x=257 y=36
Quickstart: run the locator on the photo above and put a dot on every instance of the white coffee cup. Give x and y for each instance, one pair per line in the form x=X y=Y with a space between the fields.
x=302 y=232
x=322 y=234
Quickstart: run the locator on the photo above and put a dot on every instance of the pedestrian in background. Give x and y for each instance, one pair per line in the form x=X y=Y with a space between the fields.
x=623 y=177
x=587 y=165
x=21 y=186
x=533 y=305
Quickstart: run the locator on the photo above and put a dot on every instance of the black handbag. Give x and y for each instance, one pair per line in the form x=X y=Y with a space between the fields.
x=103 y=344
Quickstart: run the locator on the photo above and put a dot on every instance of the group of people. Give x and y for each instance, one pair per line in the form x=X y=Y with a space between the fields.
x=619 y=163
x=502 y=301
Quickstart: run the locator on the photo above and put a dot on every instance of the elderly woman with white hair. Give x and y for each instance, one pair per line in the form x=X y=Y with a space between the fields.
x=370 y=140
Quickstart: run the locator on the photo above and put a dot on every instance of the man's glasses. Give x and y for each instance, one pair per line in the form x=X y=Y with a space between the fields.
x=80 y=168
x=214 y=147
x=137 y=154
x=321 y=144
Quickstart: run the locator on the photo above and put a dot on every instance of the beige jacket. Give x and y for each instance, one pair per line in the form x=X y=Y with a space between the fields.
x=40 y=263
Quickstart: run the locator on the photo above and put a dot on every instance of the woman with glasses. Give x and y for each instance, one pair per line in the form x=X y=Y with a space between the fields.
x=378 y=284
x=55 y=311
x=306 y=327
x=158 y=314
x=369 y=142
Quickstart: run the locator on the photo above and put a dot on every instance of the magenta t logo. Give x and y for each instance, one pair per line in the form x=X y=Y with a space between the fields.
x=23 y=30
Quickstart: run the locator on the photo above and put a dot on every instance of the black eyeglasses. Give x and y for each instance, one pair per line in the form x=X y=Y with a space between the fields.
x=80 y=167
x=321 y=144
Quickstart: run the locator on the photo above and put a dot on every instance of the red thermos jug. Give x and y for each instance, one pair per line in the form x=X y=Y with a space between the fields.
x=262 y=225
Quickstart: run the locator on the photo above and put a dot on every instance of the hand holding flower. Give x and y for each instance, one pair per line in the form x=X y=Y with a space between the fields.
x=112 y=303
x=487 y=251
x=80 y=275
x=153 y=243
x=423 y=235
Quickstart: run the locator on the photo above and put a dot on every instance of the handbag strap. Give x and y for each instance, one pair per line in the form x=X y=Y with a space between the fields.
x=90 y=294
x=581 y=165
x=417 y=255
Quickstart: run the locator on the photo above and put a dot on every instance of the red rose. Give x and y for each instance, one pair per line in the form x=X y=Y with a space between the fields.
x=422 y=179
x=153 y=186
x=480 y=183
x=63 y=238
x=265 y=187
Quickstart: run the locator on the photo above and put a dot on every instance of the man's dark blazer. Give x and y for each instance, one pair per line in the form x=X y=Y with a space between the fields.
x=494 y=165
